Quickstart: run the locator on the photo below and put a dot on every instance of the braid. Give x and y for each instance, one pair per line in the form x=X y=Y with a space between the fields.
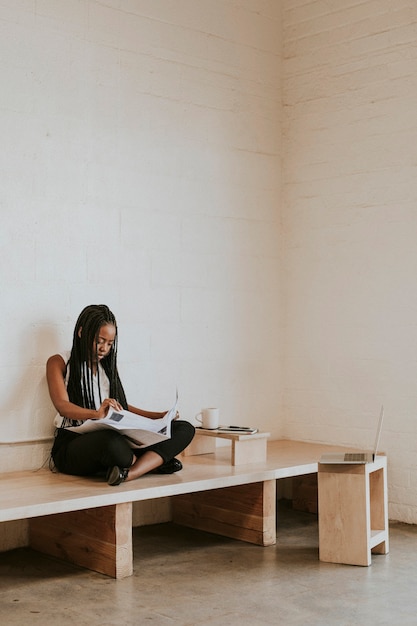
x=80 y=381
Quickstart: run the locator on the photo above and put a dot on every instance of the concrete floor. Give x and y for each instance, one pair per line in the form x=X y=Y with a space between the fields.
x=187 y=578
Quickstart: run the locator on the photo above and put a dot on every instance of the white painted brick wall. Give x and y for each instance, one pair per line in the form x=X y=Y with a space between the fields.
x=140 y=167
x=350 y=225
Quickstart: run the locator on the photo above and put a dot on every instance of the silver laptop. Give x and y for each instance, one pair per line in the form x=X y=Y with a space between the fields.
x=358 y=457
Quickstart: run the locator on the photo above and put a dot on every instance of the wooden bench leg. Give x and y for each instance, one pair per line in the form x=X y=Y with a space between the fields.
x=99 y=539
x=245 y=512
x=353 y=512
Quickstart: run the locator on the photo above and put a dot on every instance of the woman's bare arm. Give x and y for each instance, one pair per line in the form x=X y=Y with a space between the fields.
x=153 y=415
x=55 y=376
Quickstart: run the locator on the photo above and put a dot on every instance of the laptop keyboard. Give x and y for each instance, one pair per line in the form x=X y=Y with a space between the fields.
x=355 y=456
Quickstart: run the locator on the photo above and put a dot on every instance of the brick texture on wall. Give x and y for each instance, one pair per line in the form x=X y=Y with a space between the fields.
x=350 y=225
x=140 y=167
x=237 y=180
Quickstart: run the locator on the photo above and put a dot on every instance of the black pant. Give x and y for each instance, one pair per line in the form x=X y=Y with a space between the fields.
x=92 y=453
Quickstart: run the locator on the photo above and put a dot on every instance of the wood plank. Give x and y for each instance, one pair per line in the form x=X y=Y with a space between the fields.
x=244 y=512
x=305 y=493
x=99 y=539
x=245 y=448
x=378 y=489
x=29 y=494
x=86 y=522
x=343 y=498
x=232 y=436
x=353 y=519
x=248 y=450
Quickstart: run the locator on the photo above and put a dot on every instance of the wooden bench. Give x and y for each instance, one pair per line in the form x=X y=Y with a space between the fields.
x=86 y=522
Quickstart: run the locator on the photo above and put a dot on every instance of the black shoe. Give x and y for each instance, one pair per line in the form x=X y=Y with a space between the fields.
x=116 y=475
x=174 y=465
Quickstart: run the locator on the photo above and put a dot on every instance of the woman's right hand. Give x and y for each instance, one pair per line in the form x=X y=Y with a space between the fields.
x=106 y=405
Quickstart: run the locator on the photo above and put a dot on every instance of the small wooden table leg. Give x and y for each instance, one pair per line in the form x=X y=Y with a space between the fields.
x=99 y=539
x=248 y=450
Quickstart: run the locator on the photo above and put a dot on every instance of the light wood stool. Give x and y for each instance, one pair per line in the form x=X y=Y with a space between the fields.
x=353 y=512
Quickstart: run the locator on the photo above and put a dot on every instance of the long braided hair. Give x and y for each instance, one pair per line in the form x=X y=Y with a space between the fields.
x=80 y=379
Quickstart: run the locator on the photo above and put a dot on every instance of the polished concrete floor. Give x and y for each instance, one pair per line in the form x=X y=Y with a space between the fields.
x=187 y=578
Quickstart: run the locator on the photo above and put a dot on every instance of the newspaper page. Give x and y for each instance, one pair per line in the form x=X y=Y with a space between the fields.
x=140 y=431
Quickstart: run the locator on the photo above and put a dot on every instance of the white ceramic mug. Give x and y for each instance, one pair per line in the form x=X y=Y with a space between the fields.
x=209 y=418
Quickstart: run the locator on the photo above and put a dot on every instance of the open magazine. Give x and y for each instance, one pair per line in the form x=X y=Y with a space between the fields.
x=140 y=431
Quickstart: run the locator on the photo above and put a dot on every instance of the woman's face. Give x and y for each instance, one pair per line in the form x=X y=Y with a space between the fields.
x=105 y=340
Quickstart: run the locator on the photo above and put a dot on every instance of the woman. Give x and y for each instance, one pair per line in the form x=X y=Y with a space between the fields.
x=84 y=384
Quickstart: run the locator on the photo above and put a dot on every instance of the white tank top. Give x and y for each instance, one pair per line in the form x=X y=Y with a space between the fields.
x=102 y=391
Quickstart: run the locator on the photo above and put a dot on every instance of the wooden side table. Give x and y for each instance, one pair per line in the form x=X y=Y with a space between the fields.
x=353 y=512
x=245 y=448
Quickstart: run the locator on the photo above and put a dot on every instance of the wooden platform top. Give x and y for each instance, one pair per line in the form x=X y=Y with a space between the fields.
x=236 y=435
x=34 y=493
